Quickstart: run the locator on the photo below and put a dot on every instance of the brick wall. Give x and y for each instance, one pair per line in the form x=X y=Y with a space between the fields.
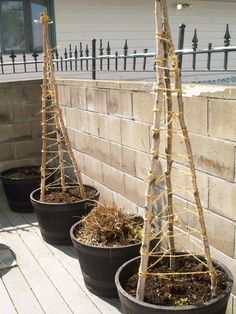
x=109 y=127
x=19 y=123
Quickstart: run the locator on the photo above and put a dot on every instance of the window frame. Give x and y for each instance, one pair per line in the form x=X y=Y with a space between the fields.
x=28 y=27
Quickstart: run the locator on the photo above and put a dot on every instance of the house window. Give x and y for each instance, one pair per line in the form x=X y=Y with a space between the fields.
x=18 y=31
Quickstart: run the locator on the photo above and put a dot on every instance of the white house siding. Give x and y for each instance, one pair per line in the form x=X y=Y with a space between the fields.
x=117 y=20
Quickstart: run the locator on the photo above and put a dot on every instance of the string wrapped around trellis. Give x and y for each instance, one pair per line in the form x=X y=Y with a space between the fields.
x=169 y=217
x=57 y=156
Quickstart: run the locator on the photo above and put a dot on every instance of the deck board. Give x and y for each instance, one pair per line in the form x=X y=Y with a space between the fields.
x=48 y=278
x=68 y=258
x=6 y=304
x=25 y=303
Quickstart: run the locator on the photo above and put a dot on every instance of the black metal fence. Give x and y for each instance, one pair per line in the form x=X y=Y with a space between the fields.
x=98 y=57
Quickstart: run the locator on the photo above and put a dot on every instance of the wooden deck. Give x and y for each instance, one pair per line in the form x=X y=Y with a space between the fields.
x=48 y=278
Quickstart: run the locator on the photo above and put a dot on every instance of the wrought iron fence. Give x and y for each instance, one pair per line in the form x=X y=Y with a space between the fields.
x=98 y=58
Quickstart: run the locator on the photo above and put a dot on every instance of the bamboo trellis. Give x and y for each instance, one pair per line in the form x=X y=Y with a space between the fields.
x=57 y=156
x=169 y=118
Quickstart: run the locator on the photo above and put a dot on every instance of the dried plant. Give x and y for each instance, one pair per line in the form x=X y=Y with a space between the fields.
x=110 y=226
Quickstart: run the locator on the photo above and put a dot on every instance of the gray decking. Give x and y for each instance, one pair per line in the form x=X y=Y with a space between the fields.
x=48 y=278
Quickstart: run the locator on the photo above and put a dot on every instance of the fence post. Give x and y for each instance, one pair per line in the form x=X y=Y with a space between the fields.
x=94 y=59
x=181 y=43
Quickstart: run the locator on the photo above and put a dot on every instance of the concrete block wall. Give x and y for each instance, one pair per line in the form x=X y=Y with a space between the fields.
x=20 y=104
x=109 y=124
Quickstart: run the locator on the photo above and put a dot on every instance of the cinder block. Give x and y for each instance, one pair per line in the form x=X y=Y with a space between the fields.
x=25 y=149
x=83 y=121
x=63 y=112
x=141 y=211
x=64 y=95
x=5 y=97
x=222 y=197
x=235 y=245
x=106 y=195
x=135 y=190
x=223 y=241
x=93 y=168
x=128 y=160
x=72 y=118
x=87 y=180
x=142 y=164
x=136 y=135
x=106 y=84
x=78 y=97
x=110 y=128
x=36 y=130
x=210 y=155
x=113 y=179
x=77 y=83
x=100 y=149
x=83 y=142
x=93 y=123
x=80 y=160
x=119 y=103
x=181 y=207
x=222 y=119
x=143 y=104
x=137 y=86
x=21 y=131
x=96 y=100
x=195 y=114
x=34 y=92
x=116 y=155
x=89 y=122
x=6 y=133
x=71 y=136
x=182 y=184
x=23 y=93
x=125 y=204
x=27 y=112
x=6 y=114
x=7 y=152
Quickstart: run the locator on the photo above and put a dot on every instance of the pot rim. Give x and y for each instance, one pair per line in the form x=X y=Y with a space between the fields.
x=73 y=238
x=175 y=308
x=46 y=203
x=4 y=172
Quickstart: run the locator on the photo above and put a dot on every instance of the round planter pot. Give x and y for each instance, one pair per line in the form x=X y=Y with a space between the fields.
x=131 y=305
x=18 y=190
x=99 y=264
x=56 y=219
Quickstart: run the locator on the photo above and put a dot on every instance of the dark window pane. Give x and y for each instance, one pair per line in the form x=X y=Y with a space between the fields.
x=37 y=6
x=13 y=35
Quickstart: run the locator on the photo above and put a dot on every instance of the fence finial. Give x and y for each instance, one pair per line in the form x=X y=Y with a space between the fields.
x=227 y=36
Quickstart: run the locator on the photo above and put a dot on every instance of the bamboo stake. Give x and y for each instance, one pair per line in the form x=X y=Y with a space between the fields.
x=166 y=49
x=169 y=160
x=63 y=130
x=52 y=85
x=44 y=103
x=61 y=133
x=195 y=187
x=154 y=165
x=74 y=163
x=178 y=87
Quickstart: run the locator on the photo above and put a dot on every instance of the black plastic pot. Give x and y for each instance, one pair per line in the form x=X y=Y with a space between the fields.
x=18 y=190
x=99 y=264
x=56 y=219
x=130 y=305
